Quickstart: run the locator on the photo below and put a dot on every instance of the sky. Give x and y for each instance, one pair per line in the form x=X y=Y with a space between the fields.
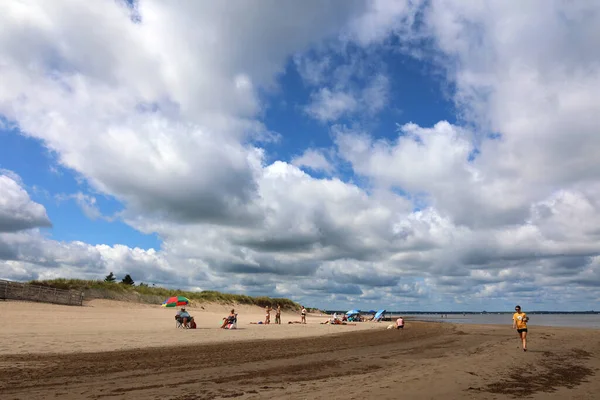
x=408 y=155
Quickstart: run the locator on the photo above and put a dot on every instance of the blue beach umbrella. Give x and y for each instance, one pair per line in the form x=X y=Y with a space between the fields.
x=379 y=314
x=353 y=312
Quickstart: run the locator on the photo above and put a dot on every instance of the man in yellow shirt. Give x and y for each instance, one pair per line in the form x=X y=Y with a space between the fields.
x=520 y=324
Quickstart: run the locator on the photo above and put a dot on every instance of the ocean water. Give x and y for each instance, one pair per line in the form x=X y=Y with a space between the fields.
x=565 y=320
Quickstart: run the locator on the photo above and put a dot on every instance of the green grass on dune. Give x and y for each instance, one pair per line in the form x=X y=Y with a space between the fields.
x=97 y=289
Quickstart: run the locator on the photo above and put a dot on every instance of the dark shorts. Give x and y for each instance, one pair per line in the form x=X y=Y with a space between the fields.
x=522 y=330
x=400 y=327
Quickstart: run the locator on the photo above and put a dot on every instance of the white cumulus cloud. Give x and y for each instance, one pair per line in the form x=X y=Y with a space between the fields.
x=162 y=110
x=17 y=210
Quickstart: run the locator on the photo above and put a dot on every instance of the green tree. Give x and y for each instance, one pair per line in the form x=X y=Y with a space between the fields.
x=127 y=280
x=110 y=278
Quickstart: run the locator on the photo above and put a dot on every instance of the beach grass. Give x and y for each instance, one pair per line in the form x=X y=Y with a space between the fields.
x=99 y=289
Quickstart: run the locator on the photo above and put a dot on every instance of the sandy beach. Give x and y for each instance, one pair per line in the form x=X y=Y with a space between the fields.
x=106 y=325
x=128 y=351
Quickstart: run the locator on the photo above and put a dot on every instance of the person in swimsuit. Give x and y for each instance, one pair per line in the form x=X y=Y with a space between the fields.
x=400 y=323
x=267 y=315
x=520 y=324
x=303 y=315
x=278 y=315
x=230 y=319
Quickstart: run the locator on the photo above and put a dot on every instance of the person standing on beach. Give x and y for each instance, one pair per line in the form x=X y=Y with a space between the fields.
x=520 y=324
x=267 y=315
x=303 y=313
x=278 y=315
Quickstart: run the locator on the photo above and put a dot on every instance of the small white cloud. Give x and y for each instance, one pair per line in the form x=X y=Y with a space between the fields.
x=85 y=202
x=327 y=105
x=312 y=70
x=88 y=205
x=376 y=95
x=384 y=17
x=17 y=210
x=313 y=159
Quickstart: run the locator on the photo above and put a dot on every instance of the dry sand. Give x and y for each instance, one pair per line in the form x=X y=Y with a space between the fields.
x=105 y=325
x=425 y=361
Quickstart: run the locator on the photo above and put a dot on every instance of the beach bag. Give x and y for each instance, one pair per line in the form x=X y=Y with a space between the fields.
x=193 y=325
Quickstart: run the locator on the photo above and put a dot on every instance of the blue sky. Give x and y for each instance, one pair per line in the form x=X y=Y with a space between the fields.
x=49 y=184
x=416 y=97
x=399 y=154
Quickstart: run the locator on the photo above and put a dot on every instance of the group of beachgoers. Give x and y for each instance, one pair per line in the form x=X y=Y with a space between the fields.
x=186 y=321
x=345 y=320
x=520 y=320
x=268 y=311
x=230 y=322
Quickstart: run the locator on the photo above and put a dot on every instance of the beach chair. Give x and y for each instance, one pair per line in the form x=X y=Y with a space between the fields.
x=232 y=324
x=179 y=322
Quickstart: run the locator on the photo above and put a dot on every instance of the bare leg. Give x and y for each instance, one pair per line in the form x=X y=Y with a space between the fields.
x=185 y=325
x=524 y=340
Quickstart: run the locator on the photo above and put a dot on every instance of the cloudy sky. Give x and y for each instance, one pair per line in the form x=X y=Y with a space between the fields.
x=411 y=155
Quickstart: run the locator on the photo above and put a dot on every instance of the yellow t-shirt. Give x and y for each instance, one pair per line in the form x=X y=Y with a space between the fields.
x=520 y=320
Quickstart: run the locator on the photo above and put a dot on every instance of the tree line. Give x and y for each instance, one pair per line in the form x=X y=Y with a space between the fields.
x=127 y=280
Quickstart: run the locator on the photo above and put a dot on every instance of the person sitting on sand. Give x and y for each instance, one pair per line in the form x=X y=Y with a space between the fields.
x=400 y=323
x=230 y=319
x=303 y=313
x=267 y=315
x=278 y=315
x=183 y=317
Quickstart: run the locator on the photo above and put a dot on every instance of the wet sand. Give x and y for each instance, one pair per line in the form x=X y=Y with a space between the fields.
x=425 y=361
